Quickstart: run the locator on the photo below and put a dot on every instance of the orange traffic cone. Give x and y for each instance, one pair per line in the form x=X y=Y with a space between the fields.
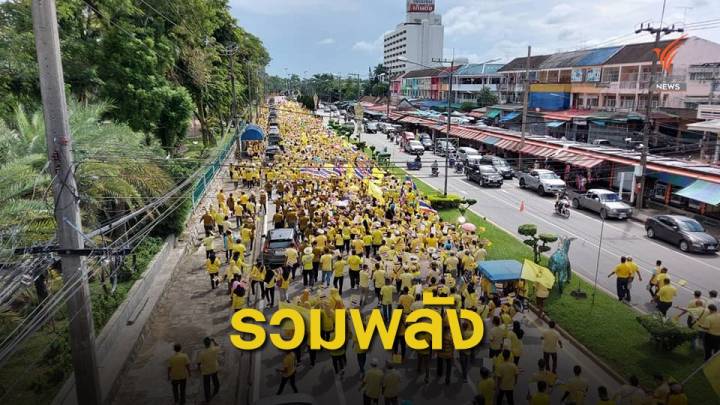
x=522 y=205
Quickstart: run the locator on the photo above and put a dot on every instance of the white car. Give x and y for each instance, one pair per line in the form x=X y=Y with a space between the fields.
x=543 y=181
x=464 y=151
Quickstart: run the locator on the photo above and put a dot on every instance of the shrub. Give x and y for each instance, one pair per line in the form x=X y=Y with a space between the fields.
x=538 y=242
x=666 y=334
x=143 y=255
x=440 y=202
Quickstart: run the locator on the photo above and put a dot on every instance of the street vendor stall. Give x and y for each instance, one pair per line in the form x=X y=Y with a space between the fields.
x=500 y=277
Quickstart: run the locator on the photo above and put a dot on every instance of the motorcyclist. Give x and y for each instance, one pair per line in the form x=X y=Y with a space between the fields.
x=434 y=167
x=561 y=201
x=417 y=158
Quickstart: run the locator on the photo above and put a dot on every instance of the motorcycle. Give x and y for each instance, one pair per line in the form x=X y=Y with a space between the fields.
x=434 y=172
x=562 y=208
x=458 y=167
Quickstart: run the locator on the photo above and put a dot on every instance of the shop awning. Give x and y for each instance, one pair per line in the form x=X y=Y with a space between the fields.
x=554 y=124
x=509 y=116
x=508 y=144
x=545 y=152
x=674 y=179
x=530 y=149
x=598 y=123
x=703 y=191
x=576 y=159
x=492 y=114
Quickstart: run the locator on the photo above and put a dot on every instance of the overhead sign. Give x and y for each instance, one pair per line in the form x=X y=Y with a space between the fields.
x=420 y=6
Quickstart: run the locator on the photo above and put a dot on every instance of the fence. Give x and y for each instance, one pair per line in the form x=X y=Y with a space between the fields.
x=213 y=168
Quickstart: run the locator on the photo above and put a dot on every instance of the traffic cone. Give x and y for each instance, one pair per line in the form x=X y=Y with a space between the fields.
x=522 y=205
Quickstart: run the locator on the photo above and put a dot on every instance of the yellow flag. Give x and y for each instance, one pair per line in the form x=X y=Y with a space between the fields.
x=711 y=369
x=537 y=273
x=375 y=191
x=377 y=173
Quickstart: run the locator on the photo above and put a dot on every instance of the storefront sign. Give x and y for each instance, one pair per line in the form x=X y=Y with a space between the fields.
x=592 y=74
x=576 y=75
x=420 y=6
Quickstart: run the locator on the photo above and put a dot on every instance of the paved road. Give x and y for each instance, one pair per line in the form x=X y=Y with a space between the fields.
x=619 y=238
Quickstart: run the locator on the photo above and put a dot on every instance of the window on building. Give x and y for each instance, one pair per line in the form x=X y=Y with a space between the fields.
x=609 y=102
x=627 y=102
x=611 y=74
x=564 y=76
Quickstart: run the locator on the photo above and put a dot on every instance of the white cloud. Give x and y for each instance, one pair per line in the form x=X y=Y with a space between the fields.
x=370 y=46
x=326 y=41
x=560 y=13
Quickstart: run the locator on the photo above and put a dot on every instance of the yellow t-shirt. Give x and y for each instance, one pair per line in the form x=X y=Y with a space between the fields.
x=577 y=389
x=208 y=359
x=487 y=389
x=289 y=362
x=358 y=246
x=178 y=364
x=391 y=384
x=339 y=268
x=540 y=398
x=550 y=340
x=307 y=261
x=321 y=241
x=364 y=279
x=379 y=278
x=506 y=373
x=373 y=383
x=497 y=335
x=623 y=270
x=712 y=324
x=386 y=294
x=354 y=262
x=291 y=255
x=666 y=293
x=326 y=262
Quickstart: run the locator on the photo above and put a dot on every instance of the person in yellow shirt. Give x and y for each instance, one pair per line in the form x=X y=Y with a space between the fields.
x=364 y=284
x=239 y=300
x=307 y=266
x=291 y=260
x=486 y=386
x=506 y=375
x=358 y=246
x=541 y=397
x=386 y=295
x=326 y=267
x=287 y=371
x=391 y=385
x=711 y=326
x=339 y=272
x=208 y=366
x=550 y=344
x=354 y=261
x=372 y=382
x=212 y=265
x=496 y=336
x=622 y=272
x=665 y=296
x=178 y=373
x=576 y=388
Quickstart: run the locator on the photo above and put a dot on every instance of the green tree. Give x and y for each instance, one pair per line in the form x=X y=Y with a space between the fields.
x=486 y=98
x=538 y=242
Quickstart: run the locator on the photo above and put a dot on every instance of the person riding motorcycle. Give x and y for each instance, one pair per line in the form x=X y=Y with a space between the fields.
x=434 y=167
x=417 y=158
x=561 y=202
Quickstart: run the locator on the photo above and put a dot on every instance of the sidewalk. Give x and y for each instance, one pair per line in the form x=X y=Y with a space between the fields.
x=187 y=313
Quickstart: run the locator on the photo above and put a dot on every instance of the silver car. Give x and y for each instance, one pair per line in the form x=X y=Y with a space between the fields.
x=605 y=202
x=543 y=181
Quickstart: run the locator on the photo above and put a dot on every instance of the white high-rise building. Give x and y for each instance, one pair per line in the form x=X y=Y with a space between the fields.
x=418 y=39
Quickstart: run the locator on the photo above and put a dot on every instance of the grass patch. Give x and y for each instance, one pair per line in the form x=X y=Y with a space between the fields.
x=608 y=328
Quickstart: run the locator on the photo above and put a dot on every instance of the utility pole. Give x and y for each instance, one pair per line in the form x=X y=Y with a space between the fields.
x=447 y=135
x=525 y=108
x=67 y=208
x=640 y=177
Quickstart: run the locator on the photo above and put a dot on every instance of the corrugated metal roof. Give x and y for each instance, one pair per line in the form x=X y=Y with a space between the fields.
x=519 y=63
x=421 y=73
x=636 y=53
x=474 y=69
x=564 y=59
x=598 y=56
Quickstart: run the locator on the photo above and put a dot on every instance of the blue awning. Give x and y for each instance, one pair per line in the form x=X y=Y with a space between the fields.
x=509 y=116
x=490 y=140
x=252 y=133
x=598 y=123
x=554 y=124
x=673 y=179
x=500 y=270
x=703 y=191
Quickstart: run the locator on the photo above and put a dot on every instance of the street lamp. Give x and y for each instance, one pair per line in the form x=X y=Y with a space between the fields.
x=447 y=134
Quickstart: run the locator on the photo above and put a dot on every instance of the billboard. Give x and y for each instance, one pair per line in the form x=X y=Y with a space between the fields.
x=592 y=74
x=420 y=6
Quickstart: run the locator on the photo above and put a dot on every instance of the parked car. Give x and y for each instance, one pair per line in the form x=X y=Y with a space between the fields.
x=684 y=232
x=543 y=181
x=473 y=162
x=444 y=147
x=464 y=151
x=426 y=141
x=414 y=147
x=605 y=202
x=601 y=142
x=499 y=164
x=486 y=176
x=371 y=127
x=276 y=241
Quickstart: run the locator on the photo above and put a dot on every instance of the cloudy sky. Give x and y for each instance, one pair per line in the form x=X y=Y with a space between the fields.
x=345 y=36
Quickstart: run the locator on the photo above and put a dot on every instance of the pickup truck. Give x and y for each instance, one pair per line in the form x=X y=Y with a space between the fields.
x=543 y=181
x=605 y=202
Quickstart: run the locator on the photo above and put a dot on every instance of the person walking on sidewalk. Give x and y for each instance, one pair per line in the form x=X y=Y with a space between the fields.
x=373 y=384
x=634 y=272
x=622 y=272
x=391 y=385
x=711 y=326
x=212 y=265
x=506 y=374
x=551 y=342
x=665 y=296
x=178 y=373
x=287 y=371
x=208 y=365
x=208 y=222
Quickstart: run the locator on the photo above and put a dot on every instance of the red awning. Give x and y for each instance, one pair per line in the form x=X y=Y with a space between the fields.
x=545 y=151
x=588 y=162
x=576 y=159
x=529 y=149
x=508 y=144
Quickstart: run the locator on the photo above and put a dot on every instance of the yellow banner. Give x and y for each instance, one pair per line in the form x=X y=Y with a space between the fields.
x=376 y=192
x=537 y=273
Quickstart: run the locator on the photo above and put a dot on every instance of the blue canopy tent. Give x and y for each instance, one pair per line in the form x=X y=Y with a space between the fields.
x=499 y=271
x=252 y=133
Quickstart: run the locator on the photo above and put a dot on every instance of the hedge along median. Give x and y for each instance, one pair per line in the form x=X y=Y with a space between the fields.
x=608 y=328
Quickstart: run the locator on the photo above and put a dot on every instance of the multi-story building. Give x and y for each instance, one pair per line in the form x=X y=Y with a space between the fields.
x=613 y=78
x=469 y=81
x=419 y=39
x=700 y=77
